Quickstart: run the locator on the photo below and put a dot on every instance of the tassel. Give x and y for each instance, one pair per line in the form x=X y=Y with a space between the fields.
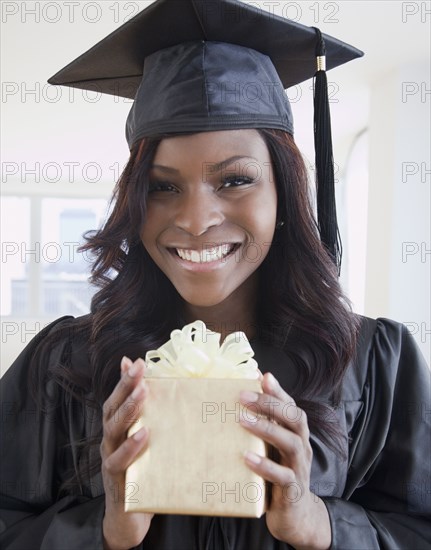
x=326 y=207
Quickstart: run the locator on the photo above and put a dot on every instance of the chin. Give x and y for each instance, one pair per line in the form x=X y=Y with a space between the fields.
x=204 y=298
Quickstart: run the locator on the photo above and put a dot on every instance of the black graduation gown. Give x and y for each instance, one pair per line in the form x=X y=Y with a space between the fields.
x=379 y=497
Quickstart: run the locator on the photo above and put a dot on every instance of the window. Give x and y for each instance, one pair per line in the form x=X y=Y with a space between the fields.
x=43 y=274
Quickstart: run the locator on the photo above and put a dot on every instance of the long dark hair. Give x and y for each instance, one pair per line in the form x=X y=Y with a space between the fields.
x=299 y=300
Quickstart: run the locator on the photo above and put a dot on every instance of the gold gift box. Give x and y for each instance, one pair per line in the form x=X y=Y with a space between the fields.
x=194 y=461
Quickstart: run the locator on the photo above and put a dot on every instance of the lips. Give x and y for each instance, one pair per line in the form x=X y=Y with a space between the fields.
x=206 y=255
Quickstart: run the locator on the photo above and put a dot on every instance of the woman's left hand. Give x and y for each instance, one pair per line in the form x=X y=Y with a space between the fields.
x=295 y=515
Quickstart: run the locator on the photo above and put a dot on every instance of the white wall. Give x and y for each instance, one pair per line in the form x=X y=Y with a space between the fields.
x=398 y=257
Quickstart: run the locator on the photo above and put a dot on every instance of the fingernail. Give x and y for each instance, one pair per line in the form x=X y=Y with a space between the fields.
x=248 y=419
x=140 y=434
x=248 y=397
x=141 y=363
x=134 y=369
x=252 y=457
x=125 y=364
x=272 y=382
x=138 y=392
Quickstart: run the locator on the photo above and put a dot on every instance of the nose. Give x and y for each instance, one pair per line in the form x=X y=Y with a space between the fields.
x=198 y=210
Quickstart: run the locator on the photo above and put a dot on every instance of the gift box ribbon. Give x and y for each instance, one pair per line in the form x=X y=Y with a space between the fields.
x=195 y=352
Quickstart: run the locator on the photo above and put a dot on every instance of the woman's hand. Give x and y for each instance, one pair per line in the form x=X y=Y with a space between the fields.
x=122 y=530
x=295 y=515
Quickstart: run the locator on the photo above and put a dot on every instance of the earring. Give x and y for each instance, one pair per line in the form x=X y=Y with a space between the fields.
x=279 y=224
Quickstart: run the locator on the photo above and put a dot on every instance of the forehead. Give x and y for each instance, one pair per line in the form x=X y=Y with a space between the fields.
x=212 y=147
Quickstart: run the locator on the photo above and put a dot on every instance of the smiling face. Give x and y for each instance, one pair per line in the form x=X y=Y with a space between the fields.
x=211 y=214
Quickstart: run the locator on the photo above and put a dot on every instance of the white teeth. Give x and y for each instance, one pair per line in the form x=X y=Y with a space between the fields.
x=207 y=255
x=194 y=256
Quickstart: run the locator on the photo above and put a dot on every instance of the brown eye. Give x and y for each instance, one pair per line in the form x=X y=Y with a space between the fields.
x=236 y=181
x=160 y=186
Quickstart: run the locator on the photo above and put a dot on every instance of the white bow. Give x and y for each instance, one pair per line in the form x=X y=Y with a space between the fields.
x=195 y=352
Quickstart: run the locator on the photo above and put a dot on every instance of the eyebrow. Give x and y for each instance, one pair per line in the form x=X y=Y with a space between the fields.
x=212 y=167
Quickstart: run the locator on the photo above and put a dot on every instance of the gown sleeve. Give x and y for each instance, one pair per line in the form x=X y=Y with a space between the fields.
x=387 y=502
x=35 y=461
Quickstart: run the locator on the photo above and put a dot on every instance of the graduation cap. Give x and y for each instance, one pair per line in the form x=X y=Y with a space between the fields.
x=205 y=65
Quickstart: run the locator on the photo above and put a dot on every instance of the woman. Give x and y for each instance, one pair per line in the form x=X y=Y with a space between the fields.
x=218 y=193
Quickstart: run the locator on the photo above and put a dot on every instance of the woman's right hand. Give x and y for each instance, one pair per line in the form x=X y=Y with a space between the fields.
x=123 y=530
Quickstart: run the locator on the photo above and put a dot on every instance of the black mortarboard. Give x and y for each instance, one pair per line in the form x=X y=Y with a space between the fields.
x=202 y=65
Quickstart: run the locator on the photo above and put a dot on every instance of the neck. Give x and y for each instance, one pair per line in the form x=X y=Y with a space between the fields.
x=235 y=313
